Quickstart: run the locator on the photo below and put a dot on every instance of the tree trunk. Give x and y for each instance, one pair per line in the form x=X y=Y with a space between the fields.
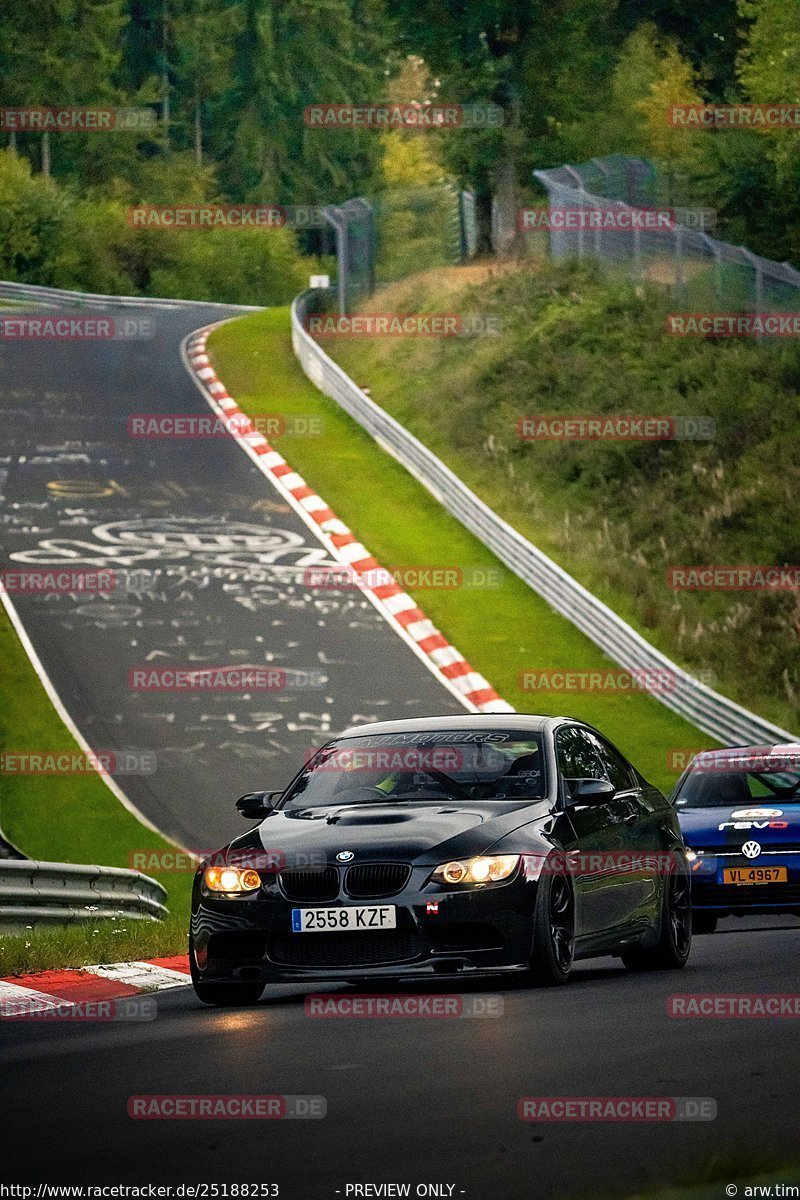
x=506 y=208
x=483 y=214
x=46 y=153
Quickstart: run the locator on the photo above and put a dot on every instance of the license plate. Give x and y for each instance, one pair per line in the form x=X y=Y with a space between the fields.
x=745 y=875
x=344 y=920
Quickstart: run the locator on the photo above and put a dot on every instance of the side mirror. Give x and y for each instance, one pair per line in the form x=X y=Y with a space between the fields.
x=590 y=791
x=256 y=804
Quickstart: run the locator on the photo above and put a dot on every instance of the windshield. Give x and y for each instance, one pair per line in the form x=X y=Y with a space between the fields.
x=458 y=767
x=734 y=781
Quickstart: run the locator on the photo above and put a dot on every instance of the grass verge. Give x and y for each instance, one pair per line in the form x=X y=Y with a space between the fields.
x=616 y=515
x=86 y=945
x=64 y=818
x=501 y=630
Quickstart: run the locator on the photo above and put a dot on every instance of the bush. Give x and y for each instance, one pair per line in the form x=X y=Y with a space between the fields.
x=48 y=236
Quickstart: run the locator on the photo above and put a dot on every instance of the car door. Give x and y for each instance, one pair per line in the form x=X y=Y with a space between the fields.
x=639 y=887
x=601 y=833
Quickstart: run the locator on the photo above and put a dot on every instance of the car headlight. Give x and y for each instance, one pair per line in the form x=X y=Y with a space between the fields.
x=486 y=869
x=231 y=880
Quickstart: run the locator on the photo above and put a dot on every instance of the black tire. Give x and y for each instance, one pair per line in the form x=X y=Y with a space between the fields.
x=237 y=993
x=675 y=939
x=704 y=921
x=553 y=932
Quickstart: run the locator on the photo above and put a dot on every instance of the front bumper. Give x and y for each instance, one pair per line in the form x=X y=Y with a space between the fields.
x=440 y=933
x=710 y=892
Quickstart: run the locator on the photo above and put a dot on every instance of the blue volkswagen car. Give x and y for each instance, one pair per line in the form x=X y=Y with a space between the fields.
x=739 y=811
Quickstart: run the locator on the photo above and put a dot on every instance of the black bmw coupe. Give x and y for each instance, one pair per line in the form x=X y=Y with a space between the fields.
x=444 y=847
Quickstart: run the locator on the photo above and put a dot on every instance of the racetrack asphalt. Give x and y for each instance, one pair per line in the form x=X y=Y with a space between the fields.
x=211 y=569
x=408 y=1100
x=422 y=1100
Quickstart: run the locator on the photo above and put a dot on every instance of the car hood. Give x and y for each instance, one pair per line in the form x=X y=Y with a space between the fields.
x=422 y=832
x=769 y=824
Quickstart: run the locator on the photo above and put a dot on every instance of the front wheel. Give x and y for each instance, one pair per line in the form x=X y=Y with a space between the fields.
x=675 y=940
x=553 y=932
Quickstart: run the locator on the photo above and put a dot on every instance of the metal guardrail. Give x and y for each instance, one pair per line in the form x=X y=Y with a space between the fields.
x=10 y=291
x=711 y=712
x=46 y=893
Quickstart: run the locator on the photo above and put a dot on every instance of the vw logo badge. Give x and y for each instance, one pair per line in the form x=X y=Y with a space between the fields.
x=751 y=849
x=345 y=856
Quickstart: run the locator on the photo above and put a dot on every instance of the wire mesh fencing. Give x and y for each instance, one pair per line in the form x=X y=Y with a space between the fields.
x=631 y=217
x=395 y=234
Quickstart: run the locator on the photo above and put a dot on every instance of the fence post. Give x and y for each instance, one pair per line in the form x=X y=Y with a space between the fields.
x=755 y=265
x=582 y=193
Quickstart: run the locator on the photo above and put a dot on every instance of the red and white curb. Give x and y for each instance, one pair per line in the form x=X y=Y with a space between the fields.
x=398 y=608
x=64 y=990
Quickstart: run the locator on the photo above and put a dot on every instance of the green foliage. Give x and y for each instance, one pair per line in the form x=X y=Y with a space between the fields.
x=618 y=514
x=575 y=79
x=231 y=266
x=49 y=236
x=31 y=214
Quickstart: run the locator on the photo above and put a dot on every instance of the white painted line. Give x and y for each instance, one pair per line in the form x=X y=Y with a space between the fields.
x=68 y=722
x=144 y=975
